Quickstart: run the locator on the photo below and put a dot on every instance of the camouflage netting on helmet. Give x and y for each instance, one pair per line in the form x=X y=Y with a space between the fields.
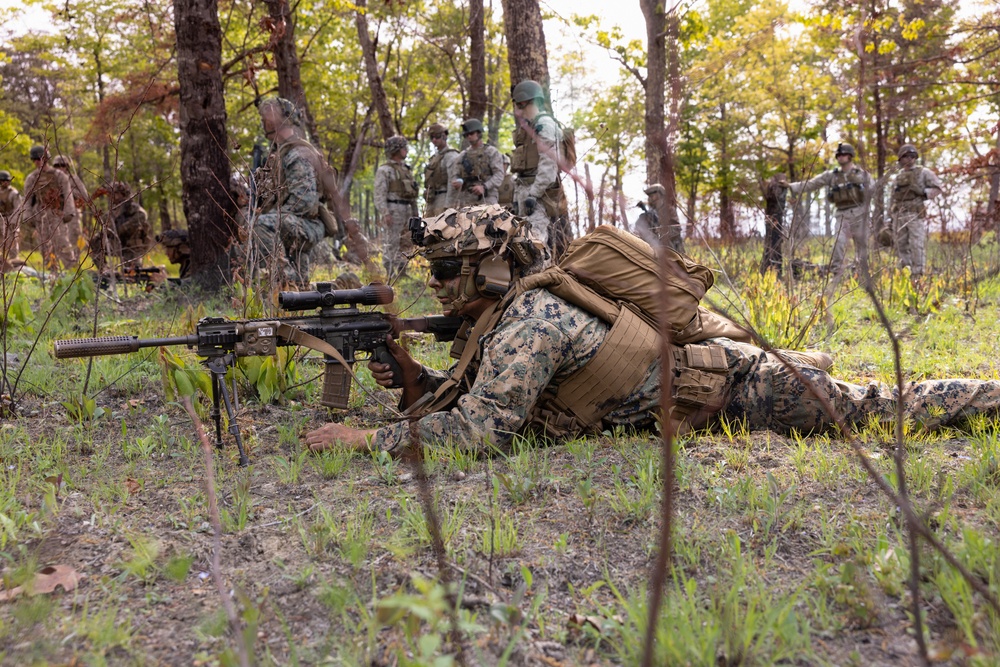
x=395 y=144
x=479 y=230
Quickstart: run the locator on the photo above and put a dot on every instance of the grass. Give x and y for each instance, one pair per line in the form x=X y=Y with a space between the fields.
x=784 y=552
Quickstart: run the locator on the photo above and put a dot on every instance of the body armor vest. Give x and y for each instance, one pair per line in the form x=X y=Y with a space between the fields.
x=847 y=188
x=7 y=199
x=436 y=175
x=475 y=167
x=908 y=186
x=47 y=191
x=402 y=185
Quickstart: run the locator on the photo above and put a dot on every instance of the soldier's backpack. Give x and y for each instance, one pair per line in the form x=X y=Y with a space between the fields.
x=609 y=267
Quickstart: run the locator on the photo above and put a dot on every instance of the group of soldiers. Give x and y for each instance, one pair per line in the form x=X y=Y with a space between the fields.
x=850 y=190
x=478 y=175
x=52 y=216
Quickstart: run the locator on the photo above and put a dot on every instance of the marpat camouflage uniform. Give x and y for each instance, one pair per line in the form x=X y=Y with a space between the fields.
x=908 y=212
x=476 y=166
x=287 y=225
x=395 y=193
x=436 y=190
x=45 y=211
x=542 y=340
x=848 y=190
x=10 y=200
x=535 y=166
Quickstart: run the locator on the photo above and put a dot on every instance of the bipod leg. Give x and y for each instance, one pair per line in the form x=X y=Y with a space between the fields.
x=218 y=367
x=216 y=413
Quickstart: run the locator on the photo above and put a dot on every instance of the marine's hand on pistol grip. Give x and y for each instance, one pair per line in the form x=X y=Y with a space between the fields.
x=392 y=366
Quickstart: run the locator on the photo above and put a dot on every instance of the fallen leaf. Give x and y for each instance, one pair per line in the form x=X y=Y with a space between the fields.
x=56 y=481
x=47 y=580
x=136 y=402
x=132 y=486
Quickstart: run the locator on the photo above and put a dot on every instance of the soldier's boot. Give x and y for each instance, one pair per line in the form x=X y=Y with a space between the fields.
x=814 y=358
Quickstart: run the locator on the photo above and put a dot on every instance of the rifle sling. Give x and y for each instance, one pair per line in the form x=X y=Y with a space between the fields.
x=299 y=337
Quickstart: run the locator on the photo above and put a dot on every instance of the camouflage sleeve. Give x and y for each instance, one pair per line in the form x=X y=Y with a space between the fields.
x=813 y=184
x=300 y=183
x=492 y=184
x=69 y=203
x=381 y=189
x=519 y=360
x=547 y=136
x=450 y=160
x=930 y=181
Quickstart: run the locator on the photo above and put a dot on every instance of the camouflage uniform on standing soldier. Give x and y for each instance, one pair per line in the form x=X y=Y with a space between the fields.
x=478 y=171
x=529 y=345
x=648 y=225
x=396 y=202
x=124 y=230
x=10 y=200
x=287 y=221
x=538 y=191
x=848 y=188
x=81 y=198
x=913 y=186
x=46 y=210
x=436 y=171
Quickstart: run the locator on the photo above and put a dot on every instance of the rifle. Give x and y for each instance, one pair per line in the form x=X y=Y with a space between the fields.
x=150 y=277
x=339 y=330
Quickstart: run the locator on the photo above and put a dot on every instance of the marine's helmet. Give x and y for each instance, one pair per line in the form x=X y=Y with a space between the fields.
x=487 y=246
x=437 y=128
x=395 y=144
x=173 y=238
x=655 y=189
x=907 y=149
x=61 y=161
x=472 y=125
x=844 y=149
x=120 y=189
x=527 y=90
x=38 y=153
x=287 y=109
x=5 y=176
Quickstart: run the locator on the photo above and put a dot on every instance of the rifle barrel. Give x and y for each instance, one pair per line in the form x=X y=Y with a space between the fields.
x=95 y=347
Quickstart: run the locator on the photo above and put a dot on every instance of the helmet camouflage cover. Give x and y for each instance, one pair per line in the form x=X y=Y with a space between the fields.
x=395 y=144
x=477 y=230
x=907 y=149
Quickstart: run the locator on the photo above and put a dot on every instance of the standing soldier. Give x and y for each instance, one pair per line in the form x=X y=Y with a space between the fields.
x=914 y=185
x=9 y=202
x=287 y=223
x=81 y=198
x=396 y=203
x=477 y=173
x=649 y=225
x=436 y=171
x=847 y=188
x=47 y=209
x=538 y=192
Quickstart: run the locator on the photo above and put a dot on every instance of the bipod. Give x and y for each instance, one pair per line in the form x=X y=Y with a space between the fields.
x=218 y=366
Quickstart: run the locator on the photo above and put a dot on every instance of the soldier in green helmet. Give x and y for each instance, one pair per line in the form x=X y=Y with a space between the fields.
x=478 y=171
x=911 y=189
x=535 y=163
x=46 y=210
x=395 y=194
x=848 y=188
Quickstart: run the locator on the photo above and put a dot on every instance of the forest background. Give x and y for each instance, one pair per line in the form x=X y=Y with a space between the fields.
x=737 y=92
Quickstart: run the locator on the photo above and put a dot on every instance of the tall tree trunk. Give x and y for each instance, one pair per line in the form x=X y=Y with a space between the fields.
x=379 y=98
x=477 y=61
x=209 y=210
x=286 y=62
x=526 y=54
x=992 y=204
x=727 y=220
x=656 y=69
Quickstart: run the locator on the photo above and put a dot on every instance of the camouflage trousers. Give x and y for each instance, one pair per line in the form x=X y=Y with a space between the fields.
x=282 y=242
x=47 y=236
x=910 y=236
x=437 y=204
x=462 y=198
x=396 y=238
x=765 y=393
x=852 y=223
x=539 y=218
